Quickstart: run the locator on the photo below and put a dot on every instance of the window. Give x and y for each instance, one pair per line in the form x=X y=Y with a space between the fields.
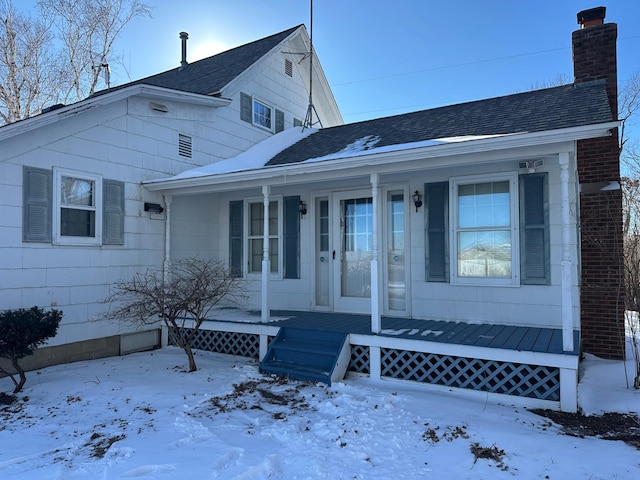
x=77 y=210
x=246 y=225
x=260 y=114
x=255 y=236
x=71 y=208
x=484 y=219
x=490 y=229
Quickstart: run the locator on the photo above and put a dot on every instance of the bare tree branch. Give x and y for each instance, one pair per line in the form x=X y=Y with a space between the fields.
x=186 y=294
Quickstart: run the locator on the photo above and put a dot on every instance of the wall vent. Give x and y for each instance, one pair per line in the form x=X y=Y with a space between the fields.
x=158 y=107
x=288 y=67
x=184 y=146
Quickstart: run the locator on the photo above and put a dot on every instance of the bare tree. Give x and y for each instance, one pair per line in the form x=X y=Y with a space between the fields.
x=628 y=105
x=28 y=79
x=59 y=56
x=88 y=30
x=181 y=298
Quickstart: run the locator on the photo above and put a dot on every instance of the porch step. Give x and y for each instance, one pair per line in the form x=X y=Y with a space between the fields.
x=308 y=355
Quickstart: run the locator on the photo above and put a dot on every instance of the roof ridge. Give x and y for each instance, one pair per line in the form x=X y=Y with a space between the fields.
x=184 y=71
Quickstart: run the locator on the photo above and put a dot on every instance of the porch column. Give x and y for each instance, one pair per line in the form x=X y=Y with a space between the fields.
x=266 y=264
x=565 y=214
x=375 y=270
x=167 y=235
x=166 y=266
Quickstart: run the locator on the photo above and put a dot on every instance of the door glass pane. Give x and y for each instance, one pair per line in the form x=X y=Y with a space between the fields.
x=323 y=260
x=357 y=238
x=395 y=251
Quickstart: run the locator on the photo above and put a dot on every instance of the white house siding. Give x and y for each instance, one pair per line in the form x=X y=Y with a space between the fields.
x=124 y=141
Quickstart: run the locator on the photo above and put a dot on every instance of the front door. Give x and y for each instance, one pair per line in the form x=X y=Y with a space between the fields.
x=343 y=248
x=352 y=251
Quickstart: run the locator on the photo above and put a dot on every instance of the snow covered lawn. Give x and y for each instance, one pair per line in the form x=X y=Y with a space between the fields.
x=141 y=416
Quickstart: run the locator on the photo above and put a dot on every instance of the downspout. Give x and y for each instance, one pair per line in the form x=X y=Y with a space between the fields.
x=266 y=263
x=375 y=273
x=567 y=305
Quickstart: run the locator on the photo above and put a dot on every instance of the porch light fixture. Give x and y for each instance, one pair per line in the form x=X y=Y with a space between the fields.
x=153 y=207
x=417 y=199
x=302 y=208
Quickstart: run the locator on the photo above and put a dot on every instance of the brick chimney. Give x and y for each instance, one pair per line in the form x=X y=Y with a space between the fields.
x=602 y=274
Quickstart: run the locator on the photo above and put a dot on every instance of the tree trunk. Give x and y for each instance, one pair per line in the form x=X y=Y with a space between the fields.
x=23 y=377
x=192 y=361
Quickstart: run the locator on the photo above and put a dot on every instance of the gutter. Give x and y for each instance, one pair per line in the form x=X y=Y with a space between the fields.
x=139 y=90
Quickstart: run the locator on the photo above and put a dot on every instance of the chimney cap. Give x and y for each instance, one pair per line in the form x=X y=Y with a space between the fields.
x=592 y=16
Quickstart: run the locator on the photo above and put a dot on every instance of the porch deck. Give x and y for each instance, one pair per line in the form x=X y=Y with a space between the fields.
x=507 y=337
x=514 y=362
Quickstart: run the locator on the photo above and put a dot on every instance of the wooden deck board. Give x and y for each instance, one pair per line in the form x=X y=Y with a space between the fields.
x=510 y=337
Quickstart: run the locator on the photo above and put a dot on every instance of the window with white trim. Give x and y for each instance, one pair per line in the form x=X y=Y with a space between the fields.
x=484 y=233
x=262 y=114
x=255 y=230
x=77 y=208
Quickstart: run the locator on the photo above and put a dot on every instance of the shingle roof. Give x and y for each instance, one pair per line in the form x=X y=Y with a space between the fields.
x=539 y=110
x=210 y=75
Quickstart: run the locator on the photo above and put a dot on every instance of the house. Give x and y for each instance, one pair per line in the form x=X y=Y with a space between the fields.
x=75 y=217
x=477 y=241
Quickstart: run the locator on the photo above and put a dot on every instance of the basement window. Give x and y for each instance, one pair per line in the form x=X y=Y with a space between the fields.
x=185 y=147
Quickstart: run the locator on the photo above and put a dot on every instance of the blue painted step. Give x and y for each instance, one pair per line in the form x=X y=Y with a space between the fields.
x=303 y=354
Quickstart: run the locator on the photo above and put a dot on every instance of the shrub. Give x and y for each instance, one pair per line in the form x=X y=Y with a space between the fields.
x=21 y=332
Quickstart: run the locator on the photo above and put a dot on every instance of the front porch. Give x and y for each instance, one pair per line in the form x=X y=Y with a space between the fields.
x=514 y=364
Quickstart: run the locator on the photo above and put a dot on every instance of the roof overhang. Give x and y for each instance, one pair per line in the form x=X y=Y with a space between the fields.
x=139 y=90
x=405 y=159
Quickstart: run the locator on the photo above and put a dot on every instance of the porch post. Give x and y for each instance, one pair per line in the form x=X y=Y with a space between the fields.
x=266 y=264
x=567 y=304
x=375 y=271
x=164 y=332
x=167 y=235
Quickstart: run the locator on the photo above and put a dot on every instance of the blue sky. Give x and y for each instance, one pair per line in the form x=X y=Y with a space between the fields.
x=387 y=57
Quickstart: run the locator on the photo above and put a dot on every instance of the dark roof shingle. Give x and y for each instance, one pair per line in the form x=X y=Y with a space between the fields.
x=210 y=75
x=539 y=110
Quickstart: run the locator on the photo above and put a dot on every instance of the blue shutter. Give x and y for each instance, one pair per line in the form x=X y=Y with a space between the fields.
x=279 y=121
x=235 y=237
x=534 y=230
x=112 y=212
x=291 y=222
x=245 y=107
x=437 y=225
x=37 y=200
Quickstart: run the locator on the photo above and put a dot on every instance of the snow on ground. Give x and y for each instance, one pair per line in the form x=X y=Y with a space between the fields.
x=141 y=416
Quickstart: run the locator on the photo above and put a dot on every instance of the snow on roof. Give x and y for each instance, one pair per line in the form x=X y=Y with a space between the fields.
x=258 y=155
x=255 y=157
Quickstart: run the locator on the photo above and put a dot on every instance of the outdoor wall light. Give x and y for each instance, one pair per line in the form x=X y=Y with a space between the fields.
x=302 y=208
x=153 y=207
x=417 y=199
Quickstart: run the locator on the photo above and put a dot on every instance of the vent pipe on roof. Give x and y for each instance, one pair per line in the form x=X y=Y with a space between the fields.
x=183 y=63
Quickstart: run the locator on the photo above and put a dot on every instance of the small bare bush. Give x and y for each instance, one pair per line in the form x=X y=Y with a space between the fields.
x=182 y=296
